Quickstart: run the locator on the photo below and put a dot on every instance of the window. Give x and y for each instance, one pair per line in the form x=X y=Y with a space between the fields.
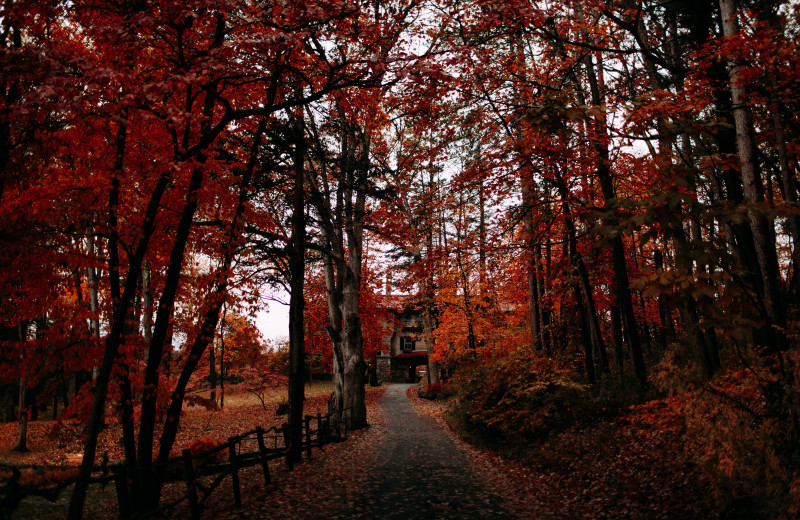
x=407 y=344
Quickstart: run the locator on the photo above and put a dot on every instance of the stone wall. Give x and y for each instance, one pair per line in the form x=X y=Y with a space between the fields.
x=383 y=367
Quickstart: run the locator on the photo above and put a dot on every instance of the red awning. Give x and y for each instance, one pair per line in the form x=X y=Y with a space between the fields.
x=421 y=353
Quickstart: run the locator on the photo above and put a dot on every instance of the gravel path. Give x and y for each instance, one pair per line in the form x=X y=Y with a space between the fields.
x=419 y=472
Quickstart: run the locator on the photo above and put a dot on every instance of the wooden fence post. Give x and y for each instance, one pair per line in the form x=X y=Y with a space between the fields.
x=123 y=496
x=328 y=430
x=308 y=435
x=320 y=434
x=191 y=485
x=263 y=450
x=234 y=462
x=285 y=430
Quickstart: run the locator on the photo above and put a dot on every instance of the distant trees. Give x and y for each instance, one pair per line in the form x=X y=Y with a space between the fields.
x=622 y=133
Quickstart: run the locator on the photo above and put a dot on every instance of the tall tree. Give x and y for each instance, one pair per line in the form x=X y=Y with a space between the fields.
x=340 y=187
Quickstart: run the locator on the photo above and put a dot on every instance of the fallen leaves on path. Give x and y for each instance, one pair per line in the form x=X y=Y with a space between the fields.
x=315 y=489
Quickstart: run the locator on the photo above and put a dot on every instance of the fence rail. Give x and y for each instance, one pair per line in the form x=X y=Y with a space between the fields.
x=194 y=469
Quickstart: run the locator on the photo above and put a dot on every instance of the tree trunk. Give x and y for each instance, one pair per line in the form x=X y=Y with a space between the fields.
x=144 y=457
x=774 y=310
x=209 y=321
x=621 y=280
x=297 y=303
x=533 y=271
x=688 y=307
x=212 y=371
x=220 y=376
x=667 y=329
x=342 y=231
x=545 y=332
x=22 y=431
x=429 y=304
x=355 y=150
x=91 y=276
x=788 y=187
x=593 y=341
x=616 y=335
x=427 y=331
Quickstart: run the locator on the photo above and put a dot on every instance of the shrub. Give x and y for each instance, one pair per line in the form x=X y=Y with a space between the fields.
x=435 y=390
x=519 y=399
x=742 y=429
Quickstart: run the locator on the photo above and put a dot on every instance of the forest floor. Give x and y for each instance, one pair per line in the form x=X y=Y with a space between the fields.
x=609 y=470
x=409 y=463
x=58 y=445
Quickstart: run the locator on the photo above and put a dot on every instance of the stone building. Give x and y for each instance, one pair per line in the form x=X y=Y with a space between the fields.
x=404 y=350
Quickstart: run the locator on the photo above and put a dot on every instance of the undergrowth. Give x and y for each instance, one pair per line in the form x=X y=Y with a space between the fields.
x=735 y=437
x=516 y=403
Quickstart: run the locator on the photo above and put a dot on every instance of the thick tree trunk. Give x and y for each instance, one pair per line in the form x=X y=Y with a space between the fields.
x=297 y=304
x=355 y=150
x=353 y=394
x=342 y=230
x=774 y=309
x=334 y=328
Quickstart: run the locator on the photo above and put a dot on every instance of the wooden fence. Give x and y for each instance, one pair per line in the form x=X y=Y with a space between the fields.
x=202 y=472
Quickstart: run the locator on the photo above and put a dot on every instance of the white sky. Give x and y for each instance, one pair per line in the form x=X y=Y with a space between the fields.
x=273 y=320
